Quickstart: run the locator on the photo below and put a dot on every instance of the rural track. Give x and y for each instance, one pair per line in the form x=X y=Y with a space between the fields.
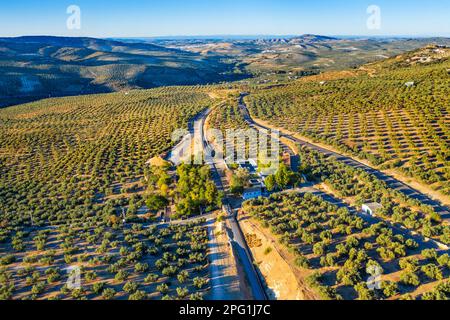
x=237 y=238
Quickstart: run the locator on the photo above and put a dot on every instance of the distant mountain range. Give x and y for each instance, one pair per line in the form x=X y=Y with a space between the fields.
x=34 y=67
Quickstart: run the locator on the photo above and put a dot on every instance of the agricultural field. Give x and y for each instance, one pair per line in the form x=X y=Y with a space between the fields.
x=355 y=187
x=227 y=117
x=72 y=169
x=341 y=256
x=394 y=114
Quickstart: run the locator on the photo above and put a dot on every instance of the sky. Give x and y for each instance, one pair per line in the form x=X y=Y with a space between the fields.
x=149 y=18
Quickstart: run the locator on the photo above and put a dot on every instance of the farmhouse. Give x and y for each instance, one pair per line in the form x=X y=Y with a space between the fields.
x=371 y=208
x=257 y=187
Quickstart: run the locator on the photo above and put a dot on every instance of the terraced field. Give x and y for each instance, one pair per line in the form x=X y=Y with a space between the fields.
x=374 y=113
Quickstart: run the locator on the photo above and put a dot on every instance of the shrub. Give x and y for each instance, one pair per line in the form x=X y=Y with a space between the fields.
x=108 y=293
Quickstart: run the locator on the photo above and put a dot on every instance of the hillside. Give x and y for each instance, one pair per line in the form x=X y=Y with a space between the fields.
x=41 y=67
x=70 y=153
x=36 y=67
x=394 y=114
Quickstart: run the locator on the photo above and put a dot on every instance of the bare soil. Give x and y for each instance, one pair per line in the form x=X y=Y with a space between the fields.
x=276 y=264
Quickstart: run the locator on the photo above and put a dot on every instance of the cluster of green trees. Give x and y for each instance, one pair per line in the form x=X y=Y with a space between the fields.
x=240 y=179
x=195 y=190
x=282 y=179
x=191 y=189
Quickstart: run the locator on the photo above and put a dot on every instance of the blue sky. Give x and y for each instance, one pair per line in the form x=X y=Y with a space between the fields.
x=146 y=18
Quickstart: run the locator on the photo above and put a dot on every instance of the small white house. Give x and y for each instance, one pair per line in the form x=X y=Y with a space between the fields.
x=371 y=208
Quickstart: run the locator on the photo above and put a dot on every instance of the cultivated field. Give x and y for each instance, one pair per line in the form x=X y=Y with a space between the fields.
x=133 y=262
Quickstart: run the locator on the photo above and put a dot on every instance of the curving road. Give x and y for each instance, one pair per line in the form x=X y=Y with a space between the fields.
x=237 y=238
x=390 y=181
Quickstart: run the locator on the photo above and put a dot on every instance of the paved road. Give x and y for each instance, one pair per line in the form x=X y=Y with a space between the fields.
x=218 y=291
x=240 y=245
x=192 y=139
x=390 y=181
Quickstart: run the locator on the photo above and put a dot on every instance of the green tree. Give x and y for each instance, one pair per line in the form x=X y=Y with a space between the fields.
x=283 y=176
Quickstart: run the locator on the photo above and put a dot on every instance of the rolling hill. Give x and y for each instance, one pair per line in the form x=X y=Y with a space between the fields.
x=35 y=67
x=281 y=58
